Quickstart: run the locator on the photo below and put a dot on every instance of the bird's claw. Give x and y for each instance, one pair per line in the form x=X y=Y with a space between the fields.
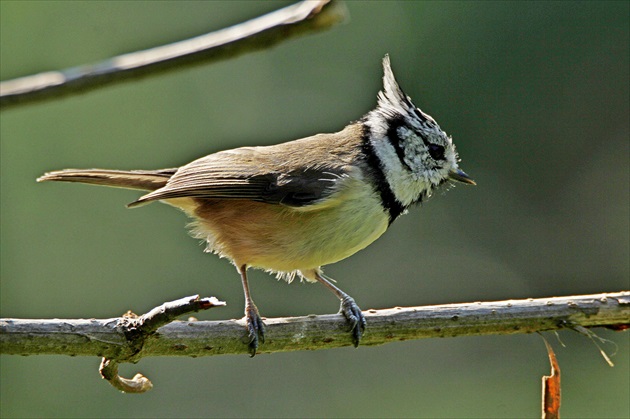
x=353 y=314
x=255 y=328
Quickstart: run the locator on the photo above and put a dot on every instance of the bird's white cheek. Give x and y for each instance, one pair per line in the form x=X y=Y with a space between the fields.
x=406 y=186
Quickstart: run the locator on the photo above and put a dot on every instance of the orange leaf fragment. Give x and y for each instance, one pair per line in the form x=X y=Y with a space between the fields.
x=551 y=387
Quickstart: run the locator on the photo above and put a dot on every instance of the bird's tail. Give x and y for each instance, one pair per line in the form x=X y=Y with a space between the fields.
x=148 y=180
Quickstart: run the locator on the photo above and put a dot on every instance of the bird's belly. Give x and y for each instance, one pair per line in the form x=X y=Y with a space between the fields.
x=286 y=239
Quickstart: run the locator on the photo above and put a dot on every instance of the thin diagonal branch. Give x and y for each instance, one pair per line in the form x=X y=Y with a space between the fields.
x=256 y=34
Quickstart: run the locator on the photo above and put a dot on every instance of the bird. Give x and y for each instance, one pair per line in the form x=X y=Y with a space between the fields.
x=293 y=207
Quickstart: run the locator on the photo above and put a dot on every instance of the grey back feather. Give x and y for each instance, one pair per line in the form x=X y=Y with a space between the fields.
x=297 y=173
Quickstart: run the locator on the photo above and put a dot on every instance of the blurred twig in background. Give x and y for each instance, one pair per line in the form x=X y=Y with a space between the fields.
x=256 y=34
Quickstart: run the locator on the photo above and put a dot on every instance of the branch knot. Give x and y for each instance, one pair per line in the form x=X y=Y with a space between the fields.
x=138 y=328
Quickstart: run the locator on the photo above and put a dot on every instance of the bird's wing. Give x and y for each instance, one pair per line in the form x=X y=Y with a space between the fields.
x=291 y=176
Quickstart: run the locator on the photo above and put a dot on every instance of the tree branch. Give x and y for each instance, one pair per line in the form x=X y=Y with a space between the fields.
x=103 y=337
x=128 y=339
x=259 y=33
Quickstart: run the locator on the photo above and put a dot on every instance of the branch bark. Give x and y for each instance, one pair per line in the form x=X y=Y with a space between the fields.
x=130 y=338
x=103 y=337
x=256 y=34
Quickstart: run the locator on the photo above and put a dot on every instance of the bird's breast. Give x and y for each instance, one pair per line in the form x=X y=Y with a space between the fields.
x=284 y=239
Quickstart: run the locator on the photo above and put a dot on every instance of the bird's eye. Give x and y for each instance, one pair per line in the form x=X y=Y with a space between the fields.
x=436 y=151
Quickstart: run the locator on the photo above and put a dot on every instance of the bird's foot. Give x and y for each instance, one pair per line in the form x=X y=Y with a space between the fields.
x=353 y=314
x=255 y=328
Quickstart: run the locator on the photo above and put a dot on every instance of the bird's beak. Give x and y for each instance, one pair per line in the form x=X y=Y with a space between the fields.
x=459 y=176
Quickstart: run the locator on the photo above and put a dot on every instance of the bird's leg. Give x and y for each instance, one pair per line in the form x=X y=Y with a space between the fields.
x=255 y=325
x=349 y=309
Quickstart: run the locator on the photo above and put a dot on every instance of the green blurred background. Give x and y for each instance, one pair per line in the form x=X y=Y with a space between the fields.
x=536 y=97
